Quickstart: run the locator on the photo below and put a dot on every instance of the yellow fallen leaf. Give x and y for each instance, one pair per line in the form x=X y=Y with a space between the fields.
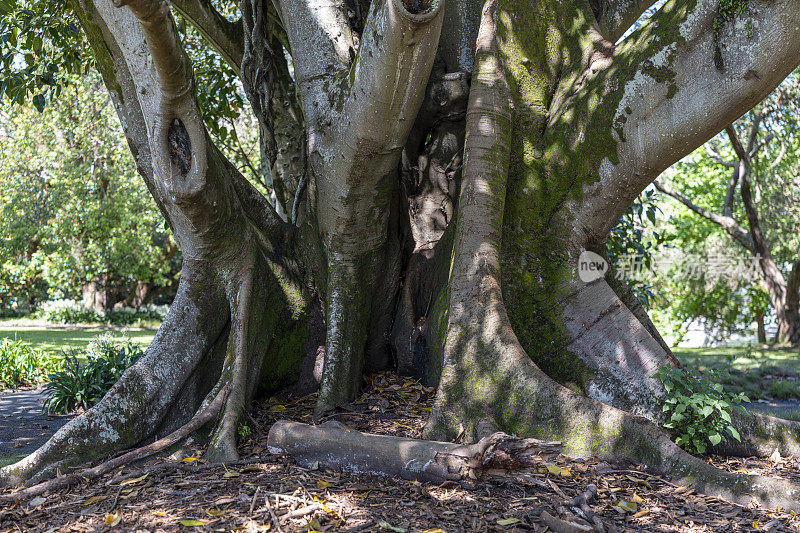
x=133 y=480
x=636 y=498
x=277 y=408
x=216 y=513
x=507 y=521
x=18 y=446
x=641 y=513
x=114 y=519
x=322 y=485
x=94 y=499
x=558 y=471
x=231 y=473
x=192 y=523
x=628 y=506
x=437 y=530
x=189 y=460
x=755 y=525
x=159 y=513
x=424 y=408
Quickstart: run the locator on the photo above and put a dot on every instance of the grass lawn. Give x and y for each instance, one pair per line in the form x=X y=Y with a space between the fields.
x=760 y=373
x=55 y=340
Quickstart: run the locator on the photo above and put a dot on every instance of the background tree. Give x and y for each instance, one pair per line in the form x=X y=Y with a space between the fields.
x=76 y=219
x=563 y=130
x=751 y=160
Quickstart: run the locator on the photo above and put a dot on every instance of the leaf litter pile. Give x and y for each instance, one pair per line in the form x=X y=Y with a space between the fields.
x=265 y=492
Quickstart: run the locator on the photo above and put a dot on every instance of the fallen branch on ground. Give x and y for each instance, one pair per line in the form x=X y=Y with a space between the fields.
x=337 y=447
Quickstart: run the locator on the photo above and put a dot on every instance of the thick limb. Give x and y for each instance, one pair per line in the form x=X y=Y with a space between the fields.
x=225 y=36
x=228 y=314
x=358 y=125
x=689 y=100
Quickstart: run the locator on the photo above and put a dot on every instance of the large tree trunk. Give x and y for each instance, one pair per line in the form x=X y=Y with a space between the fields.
x=475 y=283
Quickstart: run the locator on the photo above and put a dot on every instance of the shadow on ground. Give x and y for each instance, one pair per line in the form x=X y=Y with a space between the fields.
x=22 y=426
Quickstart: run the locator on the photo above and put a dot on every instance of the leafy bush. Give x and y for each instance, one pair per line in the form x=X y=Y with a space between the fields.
x=11 y=312
x=22 y=364
x=698 y=409
x=784 y=390
x=81 y=385
x=70 y=312
x=127 y=316
x=66 y=312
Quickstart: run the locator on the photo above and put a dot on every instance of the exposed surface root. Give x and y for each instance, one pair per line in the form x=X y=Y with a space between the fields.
x=137 y=406
x=335 y=446
x=205 y=416
x=762 y=435
x=236 y=493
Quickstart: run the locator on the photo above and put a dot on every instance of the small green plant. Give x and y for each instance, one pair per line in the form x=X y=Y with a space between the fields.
x=697 y=408
x=22 y=364
x=244 y=431
x=81 y=385
x=784 y=390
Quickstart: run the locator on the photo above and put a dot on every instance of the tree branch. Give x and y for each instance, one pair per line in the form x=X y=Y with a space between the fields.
x=224 y=36
x=730 y=193
x=152 y=74
x=322 y=44
x=793 y=286
x=741 y=153
x=615 y=16
x=731 y=227
x=713 y=154
x=761 y=144
x=780 y=156
x=163 y=41
x=668 y=99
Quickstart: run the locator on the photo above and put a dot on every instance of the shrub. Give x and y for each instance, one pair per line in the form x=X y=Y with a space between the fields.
x=81 y=385
x=784 y=390
x=128 y=316
x=66 y=312
x=698 y=409
x=11 y=312
x=22 y=364
x=70 y=312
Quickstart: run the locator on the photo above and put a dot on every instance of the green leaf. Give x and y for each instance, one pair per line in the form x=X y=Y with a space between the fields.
x=725 y=416
x=38 y=102
x=715 y=438
x=735 y=433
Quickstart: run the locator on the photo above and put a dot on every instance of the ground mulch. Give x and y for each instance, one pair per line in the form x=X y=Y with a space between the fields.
x=264 y=492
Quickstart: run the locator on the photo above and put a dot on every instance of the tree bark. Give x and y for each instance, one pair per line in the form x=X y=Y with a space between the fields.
x=558 y=143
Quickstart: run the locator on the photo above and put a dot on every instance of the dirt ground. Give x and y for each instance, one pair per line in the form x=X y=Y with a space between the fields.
x=269 y=493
